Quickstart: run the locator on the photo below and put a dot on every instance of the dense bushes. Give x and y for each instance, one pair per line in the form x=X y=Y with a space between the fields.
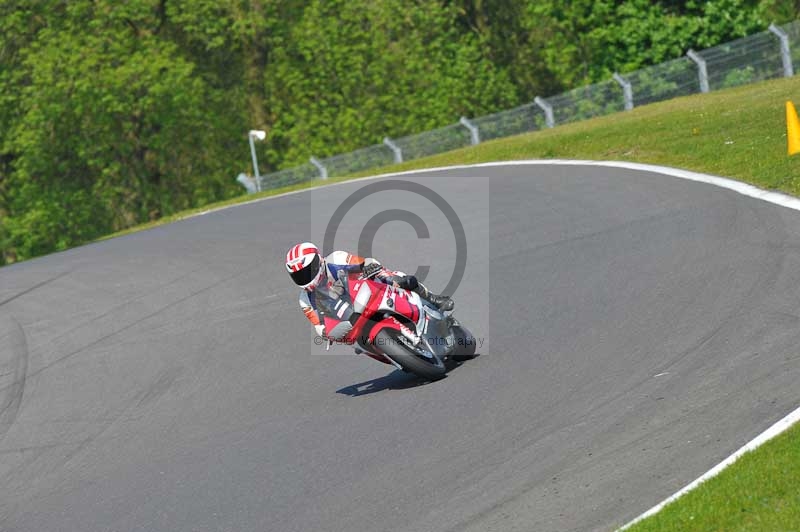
x=114 y=113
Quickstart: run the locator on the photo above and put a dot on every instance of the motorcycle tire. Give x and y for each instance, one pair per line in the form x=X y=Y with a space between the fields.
x=465 y=344
x=393 y=345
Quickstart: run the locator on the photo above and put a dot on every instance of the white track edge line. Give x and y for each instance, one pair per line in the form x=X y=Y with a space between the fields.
x=759 y=440
x=776 y=198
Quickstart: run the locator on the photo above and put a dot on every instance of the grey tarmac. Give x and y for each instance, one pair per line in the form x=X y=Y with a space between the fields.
x=639 y=329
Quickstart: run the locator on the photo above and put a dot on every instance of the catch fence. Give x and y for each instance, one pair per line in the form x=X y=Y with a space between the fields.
x=770 y=54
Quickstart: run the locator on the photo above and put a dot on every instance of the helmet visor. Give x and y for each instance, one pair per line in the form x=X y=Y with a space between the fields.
x=307 y=274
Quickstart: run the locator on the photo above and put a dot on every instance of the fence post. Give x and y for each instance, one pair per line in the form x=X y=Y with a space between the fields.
x=398 y=153
x=627 y=90
x=247 y=183
x=786 y=56
x=323 y=172
x=548 y=111
x=702 y=72
x=473 y=130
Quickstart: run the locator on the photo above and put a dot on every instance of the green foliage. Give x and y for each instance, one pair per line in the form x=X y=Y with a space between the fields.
x=781 y=11
x=586 y=41
x=110 y=127
x=354 y=71
x=116 y=113
x=738 y=77
x=702 y=132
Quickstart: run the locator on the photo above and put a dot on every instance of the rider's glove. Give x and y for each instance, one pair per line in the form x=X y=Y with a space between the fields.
x=407 y=282
x=320 y=329
x=371 y=269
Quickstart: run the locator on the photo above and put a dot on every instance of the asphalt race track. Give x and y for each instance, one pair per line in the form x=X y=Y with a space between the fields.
x=639 y=328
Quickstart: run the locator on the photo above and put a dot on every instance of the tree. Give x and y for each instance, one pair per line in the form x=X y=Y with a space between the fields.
x=355 y=71
x=113 y=128
x=113 y=113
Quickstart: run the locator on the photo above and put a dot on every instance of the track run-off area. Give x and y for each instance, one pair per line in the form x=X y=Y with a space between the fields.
x=638 y=328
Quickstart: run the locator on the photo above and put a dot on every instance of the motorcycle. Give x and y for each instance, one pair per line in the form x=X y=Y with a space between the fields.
x=398 y=327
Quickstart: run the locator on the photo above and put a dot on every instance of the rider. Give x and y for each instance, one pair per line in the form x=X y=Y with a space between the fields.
x=317 y=275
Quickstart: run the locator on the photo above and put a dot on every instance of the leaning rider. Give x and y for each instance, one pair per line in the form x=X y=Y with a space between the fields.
x=317 y=277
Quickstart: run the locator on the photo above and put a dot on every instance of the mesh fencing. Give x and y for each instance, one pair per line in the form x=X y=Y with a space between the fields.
x=664 y=82
x=356 y=161
x=432 y=142
x=529 y=117
x=747 y=60
x=289 y=176
x=586 y=102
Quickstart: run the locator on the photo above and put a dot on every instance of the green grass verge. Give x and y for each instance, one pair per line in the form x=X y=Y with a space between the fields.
x=759 y=492
x=738 y=133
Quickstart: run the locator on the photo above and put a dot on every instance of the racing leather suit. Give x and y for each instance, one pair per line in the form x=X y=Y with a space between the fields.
x=342 y=261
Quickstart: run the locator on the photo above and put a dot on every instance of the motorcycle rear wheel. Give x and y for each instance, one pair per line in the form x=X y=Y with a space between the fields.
x=394 y=346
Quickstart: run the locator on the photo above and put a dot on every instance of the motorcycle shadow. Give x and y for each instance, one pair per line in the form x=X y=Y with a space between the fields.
x=396 y=380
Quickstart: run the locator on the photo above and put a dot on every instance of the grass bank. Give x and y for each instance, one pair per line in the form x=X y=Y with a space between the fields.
x=738 y=133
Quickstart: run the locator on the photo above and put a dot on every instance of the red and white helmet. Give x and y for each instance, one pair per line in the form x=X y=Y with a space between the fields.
x=304 y=264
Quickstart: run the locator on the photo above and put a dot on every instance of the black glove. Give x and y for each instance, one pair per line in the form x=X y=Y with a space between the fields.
x=409 y=282
x=370 y=270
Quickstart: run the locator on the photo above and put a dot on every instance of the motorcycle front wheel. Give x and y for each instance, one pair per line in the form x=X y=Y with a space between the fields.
x=397 y=347
x=465 y=344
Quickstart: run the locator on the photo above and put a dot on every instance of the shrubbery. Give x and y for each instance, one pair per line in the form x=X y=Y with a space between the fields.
x=114 y=113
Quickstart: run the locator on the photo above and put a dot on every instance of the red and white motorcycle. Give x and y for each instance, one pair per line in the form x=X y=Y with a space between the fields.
x=398 y=327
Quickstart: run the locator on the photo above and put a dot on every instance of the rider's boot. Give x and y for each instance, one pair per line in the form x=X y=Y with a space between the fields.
x=442 y=302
